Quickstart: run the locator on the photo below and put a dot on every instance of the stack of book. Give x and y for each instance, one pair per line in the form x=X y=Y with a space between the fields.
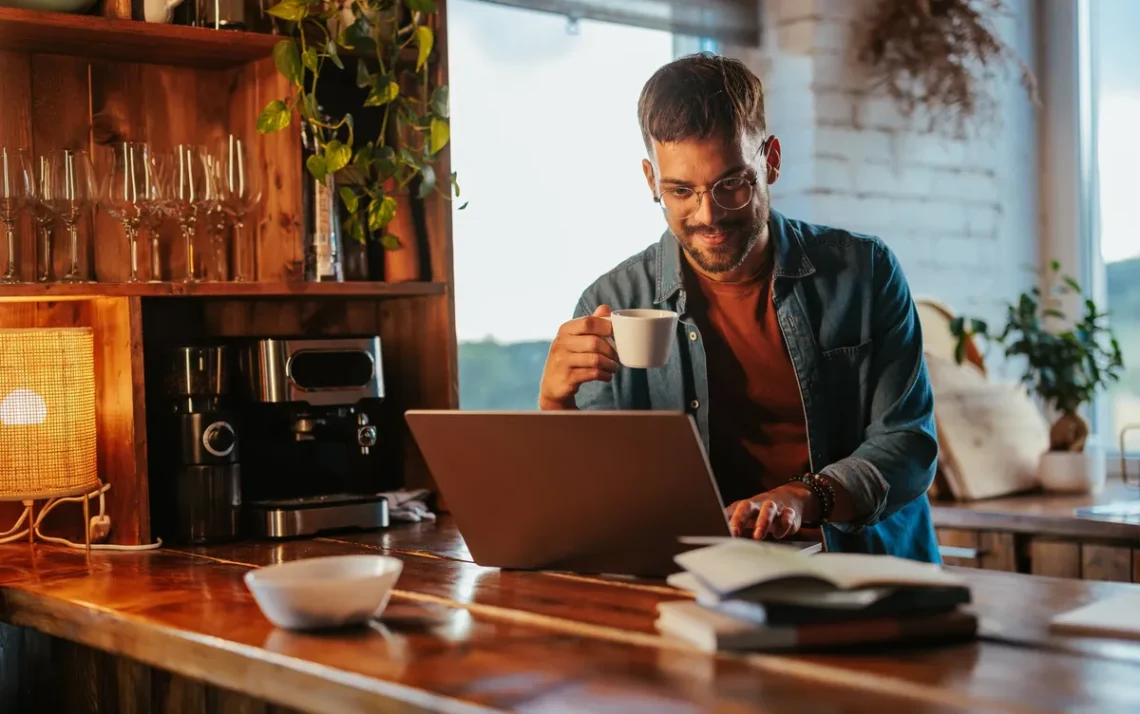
x=760 y=596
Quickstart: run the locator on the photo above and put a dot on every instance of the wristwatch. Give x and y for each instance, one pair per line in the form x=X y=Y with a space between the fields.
x=824 y=494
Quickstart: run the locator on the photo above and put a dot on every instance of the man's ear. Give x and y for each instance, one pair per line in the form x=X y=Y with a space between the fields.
x=647 y=167
x=773 y=163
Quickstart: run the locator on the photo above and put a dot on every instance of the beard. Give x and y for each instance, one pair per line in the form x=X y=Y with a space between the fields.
x=741 y=234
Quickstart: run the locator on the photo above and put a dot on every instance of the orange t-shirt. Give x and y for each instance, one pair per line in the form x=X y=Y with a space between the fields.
x=757 y=428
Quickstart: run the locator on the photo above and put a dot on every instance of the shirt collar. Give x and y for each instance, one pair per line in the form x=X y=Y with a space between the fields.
x=787 y=240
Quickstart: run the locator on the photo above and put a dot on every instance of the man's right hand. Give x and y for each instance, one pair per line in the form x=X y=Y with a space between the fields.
x=580 y=353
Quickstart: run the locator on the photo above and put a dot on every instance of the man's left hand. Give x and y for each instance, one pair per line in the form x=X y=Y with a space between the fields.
x=777 y=513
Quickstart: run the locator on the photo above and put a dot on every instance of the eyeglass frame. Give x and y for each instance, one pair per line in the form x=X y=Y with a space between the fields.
x=751 y=181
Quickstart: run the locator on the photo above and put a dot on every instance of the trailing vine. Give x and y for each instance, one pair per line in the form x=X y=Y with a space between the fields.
x=394 y=40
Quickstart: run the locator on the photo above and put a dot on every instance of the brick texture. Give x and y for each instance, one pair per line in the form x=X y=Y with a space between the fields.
x=961 y=215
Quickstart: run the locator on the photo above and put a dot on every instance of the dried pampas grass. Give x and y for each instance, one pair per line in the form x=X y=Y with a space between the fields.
x=941 y=56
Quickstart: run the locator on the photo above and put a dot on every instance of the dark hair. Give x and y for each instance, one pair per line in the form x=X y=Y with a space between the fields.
x=699 y=96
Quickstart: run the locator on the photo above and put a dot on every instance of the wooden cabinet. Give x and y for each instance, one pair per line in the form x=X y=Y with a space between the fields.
x=1045 y=555
x=85 y=82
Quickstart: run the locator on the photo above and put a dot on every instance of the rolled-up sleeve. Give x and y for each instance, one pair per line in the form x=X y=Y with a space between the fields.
x=896 y=461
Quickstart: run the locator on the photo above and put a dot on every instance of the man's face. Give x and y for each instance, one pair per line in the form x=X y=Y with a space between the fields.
x=716 y=239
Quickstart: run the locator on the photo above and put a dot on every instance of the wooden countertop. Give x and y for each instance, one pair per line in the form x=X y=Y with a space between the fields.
x=1043 y=513
x=461 y=637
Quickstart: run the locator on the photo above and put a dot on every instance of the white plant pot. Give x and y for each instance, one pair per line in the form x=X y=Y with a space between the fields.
x=1073 y=471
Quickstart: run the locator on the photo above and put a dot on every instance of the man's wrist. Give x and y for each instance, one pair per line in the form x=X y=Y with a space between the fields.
x=808 y=503
x=545 y=404
x=822 y=497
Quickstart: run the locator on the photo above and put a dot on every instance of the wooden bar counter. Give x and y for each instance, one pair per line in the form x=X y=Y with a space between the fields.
x=177 y=631
x=1041 y=533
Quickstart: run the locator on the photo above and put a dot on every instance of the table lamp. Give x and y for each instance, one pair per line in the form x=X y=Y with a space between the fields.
x=47 y=417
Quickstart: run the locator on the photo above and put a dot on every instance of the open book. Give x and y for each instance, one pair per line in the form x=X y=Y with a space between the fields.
x=751 y=570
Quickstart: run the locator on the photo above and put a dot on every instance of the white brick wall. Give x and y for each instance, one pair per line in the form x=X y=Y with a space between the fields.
x=961 y=215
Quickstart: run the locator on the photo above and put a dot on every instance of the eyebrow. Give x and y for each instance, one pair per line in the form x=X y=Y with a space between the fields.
x=726 y=174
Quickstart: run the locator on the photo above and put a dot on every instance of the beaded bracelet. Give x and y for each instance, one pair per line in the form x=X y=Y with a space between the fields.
x=824 y=494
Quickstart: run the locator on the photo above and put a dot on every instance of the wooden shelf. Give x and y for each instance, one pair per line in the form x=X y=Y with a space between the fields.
x=65 y=291
x=93 y=36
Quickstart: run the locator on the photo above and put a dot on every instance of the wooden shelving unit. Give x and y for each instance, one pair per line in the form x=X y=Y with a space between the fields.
x=88 y=81
x=87 y=291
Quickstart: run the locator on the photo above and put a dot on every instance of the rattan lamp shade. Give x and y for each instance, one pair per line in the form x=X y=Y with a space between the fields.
x=47 y=413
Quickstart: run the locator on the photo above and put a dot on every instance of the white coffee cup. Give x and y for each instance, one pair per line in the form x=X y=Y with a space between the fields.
x=643 y=338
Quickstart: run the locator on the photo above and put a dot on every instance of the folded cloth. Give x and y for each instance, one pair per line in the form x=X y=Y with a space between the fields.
x=409 y=505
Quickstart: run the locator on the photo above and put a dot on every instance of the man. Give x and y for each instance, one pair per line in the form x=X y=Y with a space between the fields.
x=798 y=350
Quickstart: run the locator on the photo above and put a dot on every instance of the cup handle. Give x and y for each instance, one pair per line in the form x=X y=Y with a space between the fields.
x=610 y=337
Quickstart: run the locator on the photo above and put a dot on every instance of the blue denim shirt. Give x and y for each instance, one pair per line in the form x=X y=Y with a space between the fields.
x=854 y=339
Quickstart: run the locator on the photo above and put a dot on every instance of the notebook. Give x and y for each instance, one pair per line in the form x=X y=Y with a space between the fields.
x=1117 y=617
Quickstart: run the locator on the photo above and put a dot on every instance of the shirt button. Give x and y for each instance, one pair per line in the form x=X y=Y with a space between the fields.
x=695 y=404
x=693 y=336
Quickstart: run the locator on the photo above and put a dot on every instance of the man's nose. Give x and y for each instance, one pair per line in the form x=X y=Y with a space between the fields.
x=708 y=212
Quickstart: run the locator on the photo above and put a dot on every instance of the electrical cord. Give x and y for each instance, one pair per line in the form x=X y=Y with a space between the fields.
x=10 y=537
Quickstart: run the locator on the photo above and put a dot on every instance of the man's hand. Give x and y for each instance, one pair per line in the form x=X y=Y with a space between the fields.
x=777 y=513
x=580 y=353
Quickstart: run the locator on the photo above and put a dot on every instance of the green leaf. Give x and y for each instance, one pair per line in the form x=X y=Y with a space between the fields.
x=274 y=117
x=363 y=76
x=390 y=242
x=308 y=106
x=978 y=327
x=290 y=10
x=358 y=36
x=440 y=100
x=956 y=324
x=420 y=5
x=960 y=351
x=337 y=156
x=1073 y=284
x=463 y=206
x=350 y=200
x=330 y=49
x=406 y=157
x=427 y=181
x=384 y=91
x=381 y=212
x=316 y=166
x=455 y=185
x=440 y=133
x=425 y=38
x=1053 y=312
x=288 y=61
x=353 y=228
x=1055 y=265
x=309 y=59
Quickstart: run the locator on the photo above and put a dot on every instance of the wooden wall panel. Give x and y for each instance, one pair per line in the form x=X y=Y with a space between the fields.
x=16 y=133
x=275 y=225
x=1104 y=562
x=60 y=96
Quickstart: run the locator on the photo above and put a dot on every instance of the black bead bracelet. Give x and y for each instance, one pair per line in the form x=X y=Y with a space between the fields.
x=824 y=494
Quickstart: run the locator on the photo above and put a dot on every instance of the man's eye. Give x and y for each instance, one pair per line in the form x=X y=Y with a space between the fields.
x=680 y=193
x=732 y=183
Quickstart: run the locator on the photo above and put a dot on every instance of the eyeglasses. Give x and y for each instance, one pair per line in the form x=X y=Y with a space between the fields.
x=731 y=194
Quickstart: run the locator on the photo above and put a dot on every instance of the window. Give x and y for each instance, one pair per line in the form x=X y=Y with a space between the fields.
x=1114 y=244
x=547 y=146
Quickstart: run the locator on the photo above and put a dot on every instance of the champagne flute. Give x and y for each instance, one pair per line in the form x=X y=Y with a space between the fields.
x=43 y=216
x=15 y=190
x=194 y=189
x=158 y=204
x=124 y=193
x=241 y=191
x=72 y=181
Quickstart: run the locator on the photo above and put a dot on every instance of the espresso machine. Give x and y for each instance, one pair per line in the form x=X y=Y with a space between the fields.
x=310 y=456
x=197 y=492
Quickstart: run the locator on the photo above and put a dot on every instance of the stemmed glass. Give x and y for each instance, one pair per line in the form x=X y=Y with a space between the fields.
x=43 y=216
x=216 y=219
x=72 y=191
x=240 y=191
x=124 y=194
x=158 y=204
x=194 y=190
x=15 y=190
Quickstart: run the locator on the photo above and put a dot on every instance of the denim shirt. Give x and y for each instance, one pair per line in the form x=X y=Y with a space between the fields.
x=852 y=332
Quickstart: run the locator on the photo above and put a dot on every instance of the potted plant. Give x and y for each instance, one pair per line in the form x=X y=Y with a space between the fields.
x=1064 y=366
x=375 y=176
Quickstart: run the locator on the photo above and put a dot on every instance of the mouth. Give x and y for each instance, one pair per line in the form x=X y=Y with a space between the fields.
x=714 y=238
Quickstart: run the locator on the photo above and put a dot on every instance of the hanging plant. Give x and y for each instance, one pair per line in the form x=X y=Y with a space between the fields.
x=394 y=41
x=941 y=56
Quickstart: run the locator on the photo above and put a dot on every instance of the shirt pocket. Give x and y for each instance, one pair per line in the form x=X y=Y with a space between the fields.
x=846 y=394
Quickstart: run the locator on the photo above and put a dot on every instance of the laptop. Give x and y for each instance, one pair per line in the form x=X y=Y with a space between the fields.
x=600 y=492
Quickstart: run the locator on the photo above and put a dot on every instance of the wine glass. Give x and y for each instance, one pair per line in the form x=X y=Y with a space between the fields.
x=158 y=204
x=124 y=193
x=43 y=216
x=194 y=190
x=15 y=190
x=241 y=191
x=72 y=191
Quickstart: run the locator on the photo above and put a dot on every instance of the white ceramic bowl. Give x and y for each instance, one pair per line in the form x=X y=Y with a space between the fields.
x=331 y=591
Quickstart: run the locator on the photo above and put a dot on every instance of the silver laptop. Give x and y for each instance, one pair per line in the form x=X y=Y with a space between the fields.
x=588 y=492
